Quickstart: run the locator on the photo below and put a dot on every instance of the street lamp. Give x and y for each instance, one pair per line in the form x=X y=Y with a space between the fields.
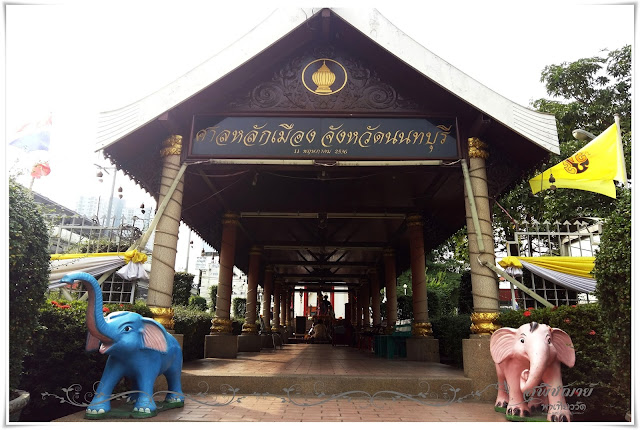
x=113 y=187
x=583 y=135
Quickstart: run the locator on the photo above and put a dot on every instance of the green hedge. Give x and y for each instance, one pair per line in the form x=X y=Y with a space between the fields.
x=586 y=326
x=239 y=305
x=198 y=303
x=182 y=284
x=450 y=330
x=194 y=325
x=28 y=275
x=613 y=289
x=59 y=359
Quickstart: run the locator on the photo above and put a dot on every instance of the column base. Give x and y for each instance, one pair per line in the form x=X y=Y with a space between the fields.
x=423 y=349
x=249 y=342
x=266 y=341
x=479 y=366
x=221 y=346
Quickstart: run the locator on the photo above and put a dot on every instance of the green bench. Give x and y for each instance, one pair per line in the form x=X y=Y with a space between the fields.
x=392 y=345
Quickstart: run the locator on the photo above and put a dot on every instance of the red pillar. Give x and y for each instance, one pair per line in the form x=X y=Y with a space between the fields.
x=305 y=311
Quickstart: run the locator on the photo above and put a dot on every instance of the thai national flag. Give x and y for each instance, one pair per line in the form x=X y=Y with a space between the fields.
x=34 y=136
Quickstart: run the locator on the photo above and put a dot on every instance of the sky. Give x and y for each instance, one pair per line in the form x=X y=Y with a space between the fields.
x=76 y=59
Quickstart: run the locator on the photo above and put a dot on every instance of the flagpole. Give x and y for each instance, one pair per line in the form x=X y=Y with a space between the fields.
x=621 y=150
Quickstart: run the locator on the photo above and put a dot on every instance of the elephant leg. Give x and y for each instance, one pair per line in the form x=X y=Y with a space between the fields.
x=174 y=383
x=517 y=406
x=503 y=397
x=558 y=410
x=145 y=406
x=101 y=404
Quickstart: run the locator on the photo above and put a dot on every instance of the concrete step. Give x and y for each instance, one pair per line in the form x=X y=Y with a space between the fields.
x=312 y=385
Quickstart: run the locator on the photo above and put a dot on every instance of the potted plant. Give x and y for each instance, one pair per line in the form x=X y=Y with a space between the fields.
x=28 y=280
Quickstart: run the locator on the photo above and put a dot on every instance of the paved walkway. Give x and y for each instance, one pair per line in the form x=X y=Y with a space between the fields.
x=272 y=408
x=394 y=397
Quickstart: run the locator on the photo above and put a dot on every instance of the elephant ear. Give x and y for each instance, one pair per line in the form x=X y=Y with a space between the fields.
x=93 y=343
x=564 y=345
x=153 y=335
x=501 y=345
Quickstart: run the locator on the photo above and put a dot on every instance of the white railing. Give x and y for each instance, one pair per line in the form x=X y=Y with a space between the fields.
x=567 y=239
x=79 y=234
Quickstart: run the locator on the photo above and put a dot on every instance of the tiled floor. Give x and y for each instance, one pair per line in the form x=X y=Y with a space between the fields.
x=303 y=359
x=330 y=364
x=272 y=408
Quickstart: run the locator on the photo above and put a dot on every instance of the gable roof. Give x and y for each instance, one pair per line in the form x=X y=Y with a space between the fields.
x=537 y=127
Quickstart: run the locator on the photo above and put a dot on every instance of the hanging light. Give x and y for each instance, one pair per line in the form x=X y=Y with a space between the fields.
x=551 y=181
x=99 y=176
x=142 y=208
x=120 y=192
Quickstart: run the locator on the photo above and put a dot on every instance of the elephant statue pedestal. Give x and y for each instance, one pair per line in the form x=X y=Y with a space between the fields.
x=139 y=349
x=528 y=367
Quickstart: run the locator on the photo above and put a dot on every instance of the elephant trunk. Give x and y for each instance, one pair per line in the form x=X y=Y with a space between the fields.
x=96 y=323
x=530 y=378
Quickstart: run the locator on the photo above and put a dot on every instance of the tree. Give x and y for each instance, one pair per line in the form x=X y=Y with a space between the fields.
x=613 y=289
x=588 y=93
x=28 y=275
x=182 y=284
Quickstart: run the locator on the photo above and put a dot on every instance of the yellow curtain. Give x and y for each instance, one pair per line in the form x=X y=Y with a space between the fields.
x=577 y=266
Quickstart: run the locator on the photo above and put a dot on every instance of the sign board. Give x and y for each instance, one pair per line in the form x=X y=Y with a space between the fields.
x=201 y=263
x=311 y=138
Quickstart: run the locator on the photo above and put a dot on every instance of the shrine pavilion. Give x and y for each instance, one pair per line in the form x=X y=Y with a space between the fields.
x=327 y=149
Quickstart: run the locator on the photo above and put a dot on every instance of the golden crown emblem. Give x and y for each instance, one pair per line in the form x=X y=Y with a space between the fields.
x=323 y=78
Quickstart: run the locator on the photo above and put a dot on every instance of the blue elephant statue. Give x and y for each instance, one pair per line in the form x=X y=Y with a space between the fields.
x=139 y=349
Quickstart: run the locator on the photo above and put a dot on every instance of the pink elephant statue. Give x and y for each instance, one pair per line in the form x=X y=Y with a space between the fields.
x=529 y=360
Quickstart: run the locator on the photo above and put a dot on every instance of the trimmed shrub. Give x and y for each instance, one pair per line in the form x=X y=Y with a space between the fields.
x=59 y=360
x=182 y=284
x=28 y=275
x=450 y=330
x=586 y=326
x=239 y=305
x=194 y=325
x=613 y=289
x=198 y=303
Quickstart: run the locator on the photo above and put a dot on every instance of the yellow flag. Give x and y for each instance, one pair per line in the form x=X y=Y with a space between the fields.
x=593 y=168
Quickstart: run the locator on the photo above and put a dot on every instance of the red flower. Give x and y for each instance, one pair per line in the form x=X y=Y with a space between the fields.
x=527 y=314
x=53 y=302
x=573 y=306
x=65 y=307
x=592 y=332
x=530 y=309
x=567 y=320
x=554 y=308
x=121 y=305
x=105 y=309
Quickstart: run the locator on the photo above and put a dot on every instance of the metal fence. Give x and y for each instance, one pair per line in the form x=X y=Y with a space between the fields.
x=567 y=239
x=77 y=234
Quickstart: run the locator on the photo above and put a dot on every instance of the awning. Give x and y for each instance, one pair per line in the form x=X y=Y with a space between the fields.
x=96 y=264
x=574 y=273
